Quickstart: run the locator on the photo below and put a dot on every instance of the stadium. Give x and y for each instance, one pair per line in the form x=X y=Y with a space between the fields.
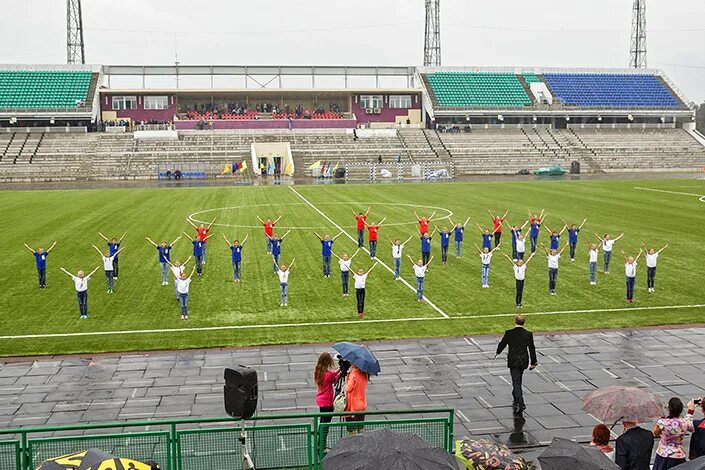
x=285 y=207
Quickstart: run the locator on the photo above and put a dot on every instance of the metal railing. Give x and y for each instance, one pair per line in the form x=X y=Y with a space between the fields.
x=286 y=441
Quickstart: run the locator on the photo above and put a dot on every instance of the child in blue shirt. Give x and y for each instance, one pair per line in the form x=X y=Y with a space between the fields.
x=573 y=237
x=40 y=260
x=459 y=232
x=236 y=255
x=327 y=251
x=555 y=237
x=163 y=256
x=445 y=243
x=276 y=244
x=114 y=247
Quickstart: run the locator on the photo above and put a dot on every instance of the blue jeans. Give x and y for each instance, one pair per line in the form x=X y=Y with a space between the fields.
x=82 y=302
x=269 y=244
x=420 y=281
x=458 y=245
x=534 y=240
x=552 y=278
x=397 y=267
x=110 y=279
x=42 y=272
x=183 y=302
x=514 y=251
x=520 y=254
x=199 y=264
x=326 y=265
x=360 y=238
x=284 y=292
x=276 y=263
x=444 y=253
x=373 y=248
x=205 y=246
x=607 y=258
x=572 y=250
x=345 y=279
x=630 y=287
x=164 y=271
x=485 y=274
x=236 y=269
x=593 y=271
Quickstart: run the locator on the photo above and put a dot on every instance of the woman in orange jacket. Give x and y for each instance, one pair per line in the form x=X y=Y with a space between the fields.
x=356 y=396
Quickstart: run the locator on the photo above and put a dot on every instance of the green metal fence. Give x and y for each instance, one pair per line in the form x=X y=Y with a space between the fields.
x=287 y=441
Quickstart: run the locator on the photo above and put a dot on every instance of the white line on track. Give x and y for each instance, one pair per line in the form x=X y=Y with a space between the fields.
x=403 y=281
x=701 y=197
x=345 y=322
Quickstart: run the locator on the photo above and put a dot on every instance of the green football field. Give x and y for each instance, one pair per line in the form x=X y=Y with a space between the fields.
x=143 y=315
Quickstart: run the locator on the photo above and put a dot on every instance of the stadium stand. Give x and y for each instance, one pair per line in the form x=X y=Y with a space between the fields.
x=481 y=89
x=611 y=90
x=43 y=89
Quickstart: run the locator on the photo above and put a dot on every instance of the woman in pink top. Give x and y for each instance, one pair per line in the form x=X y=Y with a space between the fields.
x=356 y=396
x=671 y=431
x=325 y=378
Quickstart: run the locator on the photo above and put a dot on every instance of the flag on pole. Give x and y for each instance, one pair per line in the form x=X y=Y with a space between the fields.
x=226 y=169
x=243 y=165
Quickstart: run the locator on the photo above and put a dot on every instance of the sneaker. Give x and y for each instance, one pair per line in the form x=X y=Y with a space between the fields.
x=607 y=272
x=83 y=317
x=286 y=305
x=108 y=291
x=185 y=317
x=572 y=259
x=116 y=278
x=281 y=305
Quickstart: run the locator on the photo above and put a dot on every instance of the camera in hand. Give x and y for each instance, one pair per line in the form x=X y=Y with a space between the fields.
x=698 y=401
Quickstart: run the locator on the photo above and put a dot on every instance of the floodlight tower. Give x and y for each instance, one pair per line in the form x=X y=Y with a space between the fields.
x=75 y=51
x=432 y=36
x=637 y=56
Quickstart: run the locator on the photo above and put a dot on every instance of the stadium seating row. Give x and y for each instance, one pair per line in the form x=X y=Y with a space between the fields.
x=587 y=90
x=57 y=157
x=43 y=89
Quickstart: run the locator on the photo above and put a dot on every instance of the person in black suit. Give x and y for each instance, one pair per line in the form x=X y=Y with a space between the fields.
x=633 y=448
x=521 y=348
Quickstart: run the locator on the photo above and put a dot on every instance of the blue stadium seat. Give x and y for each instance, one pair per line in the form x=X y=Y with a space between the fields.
x=611 y=90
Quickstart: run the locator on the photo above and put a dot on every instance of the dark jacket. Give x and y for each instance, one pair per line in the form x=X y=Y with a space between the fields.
x=521 y=345
x=633 y=449
x=697 y=440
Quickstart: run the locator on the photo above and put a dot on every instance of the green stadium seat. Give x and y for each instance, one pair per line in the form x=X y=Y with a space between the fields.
x=477 y=89
x=33 y=89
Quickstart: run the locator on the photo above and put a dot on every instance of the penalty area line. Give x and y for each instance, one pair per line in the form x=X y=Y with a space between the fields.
x=345 y=322
x=701 y=197
x=404 y=281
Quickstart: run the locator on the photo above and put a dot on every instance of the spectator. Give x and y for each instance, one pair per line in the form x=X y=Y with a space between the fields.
x=601 y=440
x=697 y=440
x=671 y=431
x=633 y=447
x=356 y=396
x=325 y=377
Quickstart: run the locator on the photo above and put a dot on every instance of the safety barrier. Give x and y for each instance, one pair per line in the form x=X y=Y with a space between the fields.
x=287 y=441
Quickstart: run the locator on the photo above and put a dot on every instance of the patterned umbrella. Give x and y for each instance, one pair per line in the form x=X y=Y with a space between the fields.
x=620 y=403
x=484 y=454
x=93 y=459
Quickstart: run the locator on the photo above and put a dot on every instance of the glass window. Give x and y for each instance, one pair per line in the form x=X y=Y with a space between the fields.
x=400 y=101
x=124 y=102
x=156 y=102
x=371 y=101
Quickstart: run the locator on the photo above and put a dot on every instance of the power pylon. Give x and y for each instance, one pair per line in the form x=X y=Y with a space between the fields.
x=432 y=36
x=637 y=55
x=75 y=51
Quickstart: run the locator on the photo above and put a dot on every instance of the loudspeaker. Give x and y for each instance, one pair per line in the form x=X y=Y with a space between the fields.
x=340 y=173
x=240 y=392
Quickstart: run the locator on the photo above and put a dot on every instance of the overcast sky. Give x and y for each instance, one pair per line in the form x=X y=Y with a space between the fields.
x=591 y=33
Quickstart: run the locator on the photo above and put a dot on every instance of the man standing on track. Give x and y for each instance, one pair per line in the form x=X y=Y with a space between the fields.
x=269 y=231
x=360 y=218
x=521 y=349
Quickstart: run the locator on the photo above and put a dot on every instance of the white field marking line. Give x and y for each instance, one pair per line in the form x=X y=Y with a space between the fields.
x=448 y=212
x=404 y=281
x=462 y=416
x=701 y=197
x=342 y=322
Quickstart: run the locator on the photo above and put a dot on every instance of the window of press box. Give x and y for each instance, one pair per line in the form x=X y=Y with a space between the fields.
x=124 y=102
x=400 y=101
x=156 y=102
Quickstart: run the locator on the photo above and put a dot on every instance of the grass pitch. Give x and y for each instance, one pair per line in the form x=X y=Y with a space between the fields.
x=226 y=314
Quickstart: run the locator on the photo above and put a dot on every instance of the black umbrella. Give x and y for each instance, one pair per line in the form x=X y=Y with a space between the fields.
x=388 y=450
x=697 y=464
x=564 y=453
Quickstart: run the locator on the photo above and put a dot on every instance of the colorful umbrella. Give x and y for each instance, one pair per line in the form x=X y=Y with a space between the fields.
x=620 y=403
x=93 y=459
x=484 y=454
